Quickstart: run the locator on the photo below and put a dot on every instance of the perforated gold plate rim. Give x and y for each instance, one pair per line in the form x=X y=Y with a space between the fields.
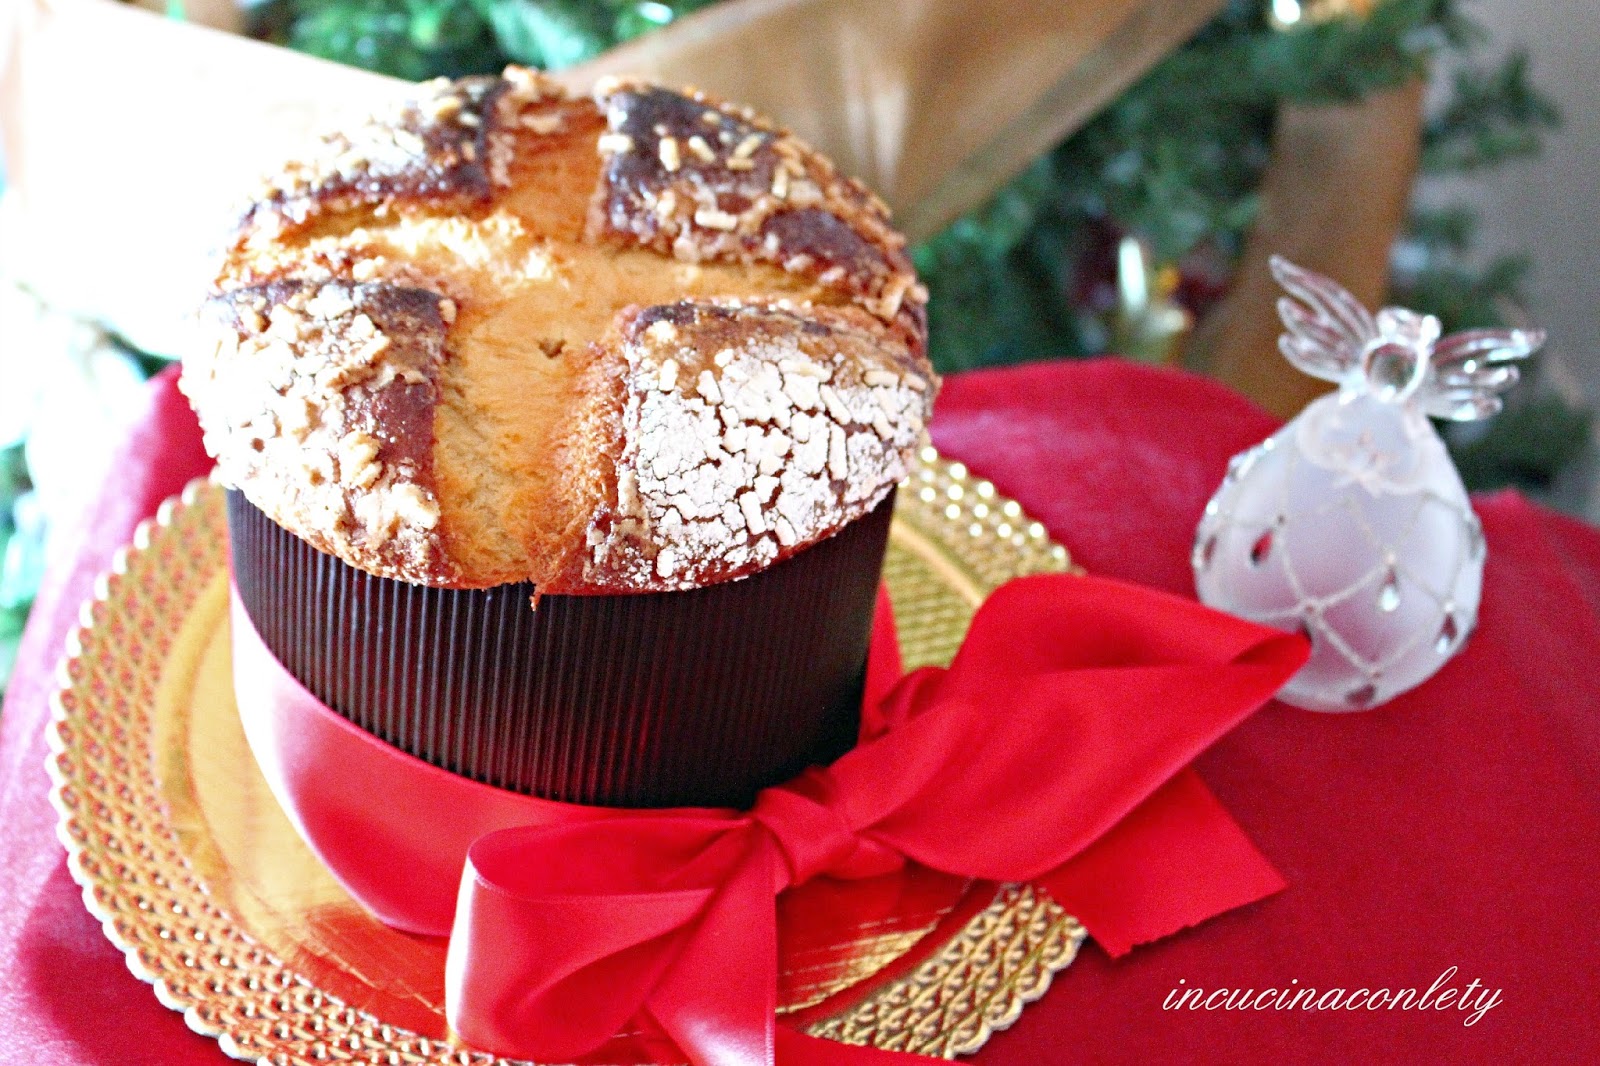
x=954 y=539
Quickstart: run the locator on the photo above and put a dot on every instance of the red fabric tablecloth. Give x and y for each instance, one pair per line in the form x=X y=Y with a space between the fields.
x=1458 y=827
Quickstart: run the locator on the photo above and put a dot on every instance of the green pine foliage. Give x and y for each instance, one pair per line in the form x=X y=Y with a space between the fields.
x=1493 y=115
x=1526 y=444
x=420 y=39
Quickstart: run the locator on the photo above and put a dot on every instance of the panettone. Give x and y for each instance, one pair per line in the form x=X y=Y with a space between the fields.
x=643 y=341
x=511 y=386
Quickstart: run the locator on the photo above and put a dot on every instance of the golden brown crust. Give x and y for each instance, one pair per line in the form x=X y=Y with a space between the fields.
x=319 y=396
x=536 y=278
x=448 y=146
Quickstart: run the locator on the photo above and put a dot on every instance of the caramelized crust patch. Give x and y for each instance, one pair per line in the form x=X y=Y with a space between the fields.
x=694 y=178
x=749 y=432
x=448 y=146
x=317 y=400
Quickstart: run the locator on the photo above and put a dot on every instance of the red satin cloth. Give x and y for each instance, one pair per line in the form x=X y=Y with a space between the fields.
x=1455 y=827
x=1061 y=730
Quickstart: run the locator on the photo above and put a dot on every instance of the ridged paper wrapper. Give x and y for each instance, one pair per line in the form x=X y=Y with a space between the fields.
x=694 y=698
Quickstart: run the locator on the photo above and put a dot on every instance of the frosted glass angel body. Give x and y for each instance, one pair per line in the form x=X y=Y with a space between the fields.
x=1351 y=524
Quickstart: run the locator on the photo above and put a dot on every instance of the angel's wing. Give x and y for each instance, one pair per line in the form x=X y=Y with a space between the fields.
x=1469 y=371
x=1327 y=330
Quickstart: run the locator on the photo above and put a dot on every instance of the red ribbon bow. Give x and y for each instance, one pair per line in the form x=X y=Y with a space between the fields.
x=1052 y=750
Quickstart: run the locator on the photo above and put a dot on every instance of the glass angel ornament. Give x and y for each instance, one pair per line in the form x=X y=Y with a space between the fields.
x=1351 y=524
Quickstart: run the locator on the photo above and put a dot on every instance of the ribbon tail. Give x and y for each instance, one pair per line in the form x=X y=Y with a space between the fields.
x=1176 y=860
x=718 y=1001
x=540 y=970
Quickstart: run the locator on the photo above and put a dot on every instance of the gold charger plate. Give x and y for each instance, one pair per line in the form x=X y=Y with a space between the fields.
x=195 y=873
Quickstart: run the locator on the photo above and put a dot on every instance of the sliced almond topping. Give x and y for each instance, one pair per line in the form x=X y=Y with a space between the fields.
x=669 y=154
x=753 y=519
x=838 y=453
x=410 y=142
x=708 y=387
x=712 y=219
x=543 y=124
x=836 y=408
x=805 y=368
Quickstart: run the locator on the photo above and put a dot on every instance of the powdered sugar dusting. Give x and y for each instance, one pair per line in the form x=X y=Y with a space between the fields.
x=731 y=457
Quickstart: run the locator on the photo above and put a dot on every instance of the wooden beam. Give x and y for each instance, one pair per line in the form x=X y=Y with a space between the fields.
x=1334 y=197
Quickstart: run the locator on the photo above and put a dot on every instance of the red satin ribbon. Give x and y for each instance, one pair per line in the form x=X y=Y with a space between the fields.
x=1052 y=750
